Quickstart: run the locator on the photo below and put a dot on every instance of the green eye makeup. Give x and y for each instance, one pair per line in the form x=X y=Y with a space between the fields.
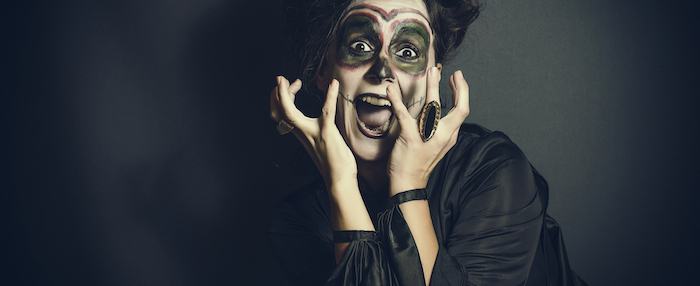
x=359 y=41
x=409 y=47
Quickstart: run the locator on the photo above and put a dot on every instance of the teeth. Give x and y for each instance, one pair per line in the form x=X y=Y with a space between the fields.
x=376 y=101
x=380 y=129
x=385 y=126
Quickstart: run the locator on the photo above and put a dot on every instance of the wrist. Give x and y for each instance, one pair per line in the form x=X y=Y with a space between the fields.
x=343 y=184
x=399 y=186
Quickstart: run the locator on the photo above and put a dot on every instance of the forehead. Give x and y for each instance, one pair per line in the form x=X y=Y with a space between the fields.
x=389 y=11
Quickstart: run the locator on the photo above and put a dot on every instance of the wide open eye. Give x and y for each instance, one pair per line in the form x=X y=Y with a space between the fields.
x=360 y=47
x=407 y=53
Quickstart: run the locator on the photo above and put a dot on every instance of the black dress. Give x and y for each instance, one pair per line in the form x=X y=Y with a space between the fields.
x=488 y=207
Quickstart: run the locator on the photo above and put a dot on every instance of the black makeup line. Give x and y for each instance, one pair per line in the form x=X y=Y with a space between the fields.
x=414 y=102
x=344 y=97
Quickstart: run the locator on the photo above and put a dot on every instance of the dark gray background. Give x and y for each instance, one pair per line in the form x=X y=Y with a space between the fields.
x=140 y=150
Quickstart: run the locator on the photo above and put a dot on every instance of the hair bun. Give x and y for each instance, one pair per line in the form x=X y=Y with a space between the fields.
x=450 y=19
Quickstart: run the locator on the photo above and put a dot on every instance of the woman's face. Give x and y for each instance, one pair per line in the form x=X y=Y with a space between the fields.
x=379 y=43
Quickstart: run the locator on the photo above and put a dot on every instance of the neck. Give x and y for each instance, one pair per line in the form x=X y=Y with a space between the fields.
x=373 y=173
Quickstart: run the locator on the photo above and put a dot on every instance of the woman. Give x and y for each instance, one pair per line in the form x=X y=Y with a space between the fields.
x=406 y=198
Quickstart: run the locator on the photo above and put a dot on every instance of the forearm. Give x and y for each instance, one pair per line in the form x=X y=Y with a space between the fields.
x=348 y=211
x=417 y=216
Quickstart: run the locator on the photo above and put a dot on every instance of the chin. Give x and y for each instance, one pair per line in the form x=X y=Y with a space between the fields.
x=372 y=149
x=370 y=154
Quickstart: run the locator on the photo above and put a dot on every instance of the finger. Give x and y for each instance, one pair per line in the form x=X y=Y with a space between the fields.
x=446 y=148
x=276 y=111
x=460 y=109
x=461 y=94
x=294 y=88
x=291 y=112
x=406 y=122
x=328 y=111
x=452 y=87
x=275 y=106
x=433 y=93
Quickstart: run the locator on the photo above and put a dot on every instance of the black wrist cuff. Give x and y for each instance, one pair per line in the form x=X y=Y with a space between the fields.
x=354 y=235
x=412 y=195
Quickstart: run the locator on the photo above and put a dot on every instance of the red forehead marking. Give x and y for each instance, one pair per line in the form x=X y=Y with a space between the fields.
x=388 y=16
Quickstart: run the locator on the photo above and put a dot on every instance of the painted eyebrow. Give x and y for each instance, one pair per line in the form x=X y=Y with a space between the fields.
x=362 y=20
x=391 y=14
x=353 y=18
x=410 y=29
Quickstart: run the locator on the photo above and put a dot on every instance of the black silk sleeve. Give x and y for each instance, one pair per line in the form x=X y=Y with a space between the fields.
x=401 y=249
x=487 y=213
x=364 y=263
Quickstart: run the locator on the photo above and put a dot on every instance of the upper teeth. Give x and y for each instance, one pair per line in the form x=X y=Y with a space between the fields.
x=376 y=101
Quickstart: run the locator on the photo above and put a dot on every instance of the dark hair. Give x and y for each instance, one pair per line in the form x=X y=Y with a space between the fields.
x=312 y=24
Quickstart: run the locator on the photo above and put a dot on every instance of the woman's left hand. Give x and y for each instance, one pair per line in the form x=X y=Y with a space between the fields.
x=412 y=160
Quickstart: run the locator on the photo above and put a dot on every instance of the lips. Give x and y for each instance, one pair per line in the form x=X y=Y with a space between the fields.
x=374 y=114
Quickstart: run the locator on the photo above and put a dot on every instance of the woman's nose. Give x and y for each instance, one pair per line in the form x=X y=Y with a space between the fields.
x=380 y=71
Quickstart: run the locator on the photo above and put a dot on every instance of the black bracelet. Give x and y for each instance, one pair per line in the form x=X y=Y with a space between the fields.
x=412 y=195
x=353 y=235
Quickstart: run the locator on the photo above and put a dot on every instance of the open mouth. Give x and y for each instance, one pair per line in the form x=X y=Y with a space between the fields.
x=374 y=114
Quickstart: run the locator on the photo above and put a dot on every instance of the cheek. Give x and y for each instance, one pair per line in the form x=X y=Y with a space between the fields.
x=350 y=78
x=414 y=92
x=416 y=69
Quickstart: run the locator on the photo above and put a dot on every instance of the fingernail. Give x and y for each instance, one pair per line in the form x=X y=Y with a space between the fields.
x=279 y=79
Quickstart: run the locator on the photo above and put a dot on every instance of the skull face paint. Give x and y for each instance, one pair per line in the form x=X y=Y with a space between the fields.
x=372 y=50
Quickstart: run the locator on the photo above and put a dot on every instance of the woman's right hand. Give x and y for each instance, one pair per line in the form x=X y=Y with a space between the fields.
x=320 y=136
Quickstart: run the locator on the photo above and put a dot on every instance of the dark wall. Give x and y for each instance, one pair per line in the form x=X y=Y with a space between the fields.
x=140 y=150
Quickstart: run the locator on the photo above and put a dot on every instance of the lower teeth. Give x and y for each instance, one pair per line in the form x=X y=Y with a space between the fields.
x=385 y=126
x=380 y=129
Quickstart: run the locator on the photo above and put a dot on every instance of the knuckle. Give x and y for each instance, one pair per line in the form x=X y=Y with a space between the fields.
x=402 y=115
x=326 y=112
x=452 y=141
x=440 y=141
x=463 y=112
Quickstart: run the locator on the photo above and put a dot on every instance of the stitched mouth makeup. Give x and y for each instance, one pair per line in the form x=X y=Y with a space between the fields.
x=374 y=115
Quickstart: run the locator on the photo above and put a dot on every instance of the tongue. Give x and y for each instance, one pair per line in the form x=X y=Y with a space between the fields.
x=373 y=116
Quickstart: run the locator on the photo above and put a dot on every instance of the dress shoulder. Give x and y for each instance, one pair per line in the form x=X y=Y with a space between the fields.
x=478 y=141
x=478 y=155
